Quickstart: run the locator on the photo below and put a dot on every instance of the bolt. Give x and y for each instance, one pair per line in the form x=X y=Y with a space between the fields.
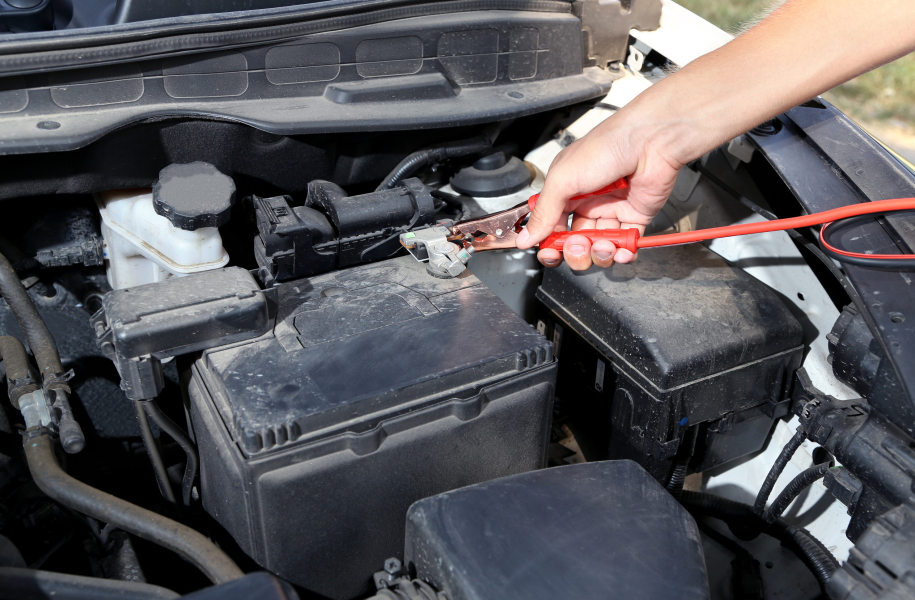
x=392 y=566
x=498 y=233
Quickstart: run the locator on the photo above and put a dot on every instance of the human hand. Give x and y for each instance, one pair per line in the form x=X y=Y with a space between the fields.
x=612 y=150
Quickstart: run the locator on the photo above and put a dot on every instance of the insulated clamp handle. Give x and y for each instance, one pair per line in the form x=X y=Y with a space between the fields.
x=621 y=238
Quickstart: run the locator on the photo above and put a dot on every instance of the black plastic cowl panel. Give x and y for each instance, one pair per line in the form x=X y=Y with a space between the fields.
x=430 y=71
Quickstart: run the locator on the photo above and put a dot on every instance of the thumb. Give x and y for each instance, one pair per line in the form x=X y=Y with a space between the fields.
x=543 y=220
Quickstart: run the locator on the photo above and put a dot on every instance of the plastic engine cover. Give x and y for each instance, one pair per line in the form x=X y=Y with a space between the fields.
x=595 y=530
x=379 y=386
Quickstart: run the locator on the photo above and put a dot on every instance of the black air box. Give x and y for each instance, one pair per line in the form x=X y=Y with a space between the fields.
x=675 y=340
x=379 y=386
x=595 y=530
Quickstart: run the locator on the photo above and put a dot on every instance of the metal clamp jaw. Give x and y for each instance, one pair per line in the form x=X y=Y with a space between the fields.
x=443 y=258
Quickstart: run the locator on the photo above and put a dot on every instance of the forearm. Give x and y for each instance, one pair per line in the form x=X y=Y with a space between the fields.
x=802 y=49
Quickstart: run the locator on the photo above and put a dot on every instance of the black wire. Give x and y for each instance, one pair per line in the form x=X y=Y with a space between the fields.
x=606 y=105
x=810 y=550
x=153 y=451
x=777 y=467
x=421 y=158
x=177 y=434
x=793 y=490
x=677 y=479
x=684 y=455
x=454 y=201
x=826 y=233
x=721 y=539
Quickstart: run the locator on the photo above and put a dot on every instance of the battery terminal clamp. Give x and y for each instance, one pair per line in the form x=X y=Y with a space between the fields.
x=443 y=258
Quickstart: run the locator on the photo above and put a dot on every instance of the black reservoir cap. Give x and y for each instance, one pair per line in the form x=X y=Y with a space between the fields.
x=194 y=195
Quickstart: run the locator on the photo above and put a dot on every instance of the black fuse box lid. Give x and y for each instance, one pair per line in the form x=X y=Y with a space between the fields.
x=675 y=315
x=185 y=314
x=364 y=341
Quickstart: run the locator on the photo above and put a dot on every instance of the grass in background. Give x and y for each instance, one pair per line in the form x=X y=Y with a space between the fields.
x=882 y=101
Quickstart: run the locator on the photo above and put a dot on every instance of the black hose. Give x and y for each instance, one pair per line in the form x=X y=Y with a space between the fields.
x=810 y=550
x=153 y=451
x=190 y=544
x=18 y=378
x=421 y=158
x=176 y=433
x=777 y=467
x=36 y=332
x=29 y=584
x=793 y=489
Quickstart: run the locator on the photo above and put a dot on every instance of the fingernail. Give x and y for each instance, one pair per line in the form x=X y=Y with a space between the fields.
x=550 y=262
x=576 y=250
x=603 y=254
x=522 y=237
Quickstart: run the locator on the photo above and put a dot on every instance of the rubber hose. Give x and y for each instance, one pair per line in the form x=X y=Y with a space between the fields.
x=171 y=428
x=29 y=584
x=421 y=158
x=189 y=544
x=775 y=472
x=793 y=489
x=36 y=332
x=16 y=361
x=152 y=450
x=810 y=550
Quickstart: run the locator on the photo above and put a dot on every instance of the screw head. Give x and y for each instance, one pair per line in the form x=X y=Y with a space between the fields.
x=498 y=233
x=392 y=566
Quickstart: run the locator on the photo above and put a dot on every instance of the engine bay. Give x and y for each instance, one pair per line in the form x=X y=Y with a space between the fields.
x=288 y=353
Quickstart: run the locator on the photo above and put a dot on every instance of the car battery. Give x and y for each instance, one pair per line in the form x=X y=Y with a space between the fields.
x=378 y=386
x=677 y=340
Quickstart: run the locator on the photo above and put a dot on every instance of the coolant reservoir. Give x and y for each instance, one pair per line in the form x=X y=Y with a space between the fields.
x=168 y=231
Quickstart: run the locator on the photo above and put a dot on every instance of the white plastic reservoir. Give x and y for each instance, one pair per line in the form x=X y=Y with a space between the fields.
x=142 y=246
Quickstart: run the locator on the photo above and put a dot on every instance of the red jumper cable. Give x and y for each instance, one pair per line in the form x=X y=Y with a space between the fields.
x=631 y=240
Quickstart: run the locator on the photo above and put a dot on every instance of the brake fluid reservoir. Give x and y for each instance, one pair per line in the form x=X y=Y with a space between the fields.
x=168 y=231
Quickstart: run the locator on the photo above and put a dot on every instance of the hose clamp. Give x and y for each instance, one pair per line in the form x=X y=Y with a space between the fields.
x=58 y=381
x=20 y=387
